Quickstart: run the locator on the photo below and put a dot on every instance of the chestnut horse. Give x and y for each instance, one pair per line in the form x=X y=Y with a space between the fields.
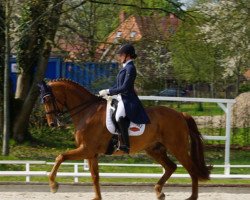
x=169 y=130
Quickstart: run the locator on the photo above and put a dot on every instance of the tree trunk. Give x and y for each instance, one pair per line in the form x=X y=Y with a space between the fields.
x=22 y=121
x=30 y=45
x=2 y=49
x=237 y=89
x=6 y=99
x=23 y=85
x=194 y=90
x=238 y=74
x=178 y=93
x=212 y=90
x=200 y=106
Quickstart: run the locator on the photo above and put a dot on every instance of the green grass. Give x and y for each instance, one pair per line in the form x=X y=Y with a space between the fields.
x=208 y=109
x=239 y=136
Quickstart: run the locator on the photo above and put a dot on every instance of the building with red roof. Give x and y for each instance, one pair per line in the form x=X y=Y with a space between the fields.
x=137 y=28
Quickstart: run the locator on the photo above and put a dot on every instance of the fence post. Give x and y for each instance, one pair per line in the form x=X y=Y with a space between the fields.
x=228 y=137
x=85 y=165
x=76 y=172
x=27 y=166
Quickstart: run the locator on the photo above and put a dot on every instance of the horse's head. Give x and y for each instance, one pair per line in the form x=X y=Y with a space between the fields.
x=62 y=94
x=53 y=107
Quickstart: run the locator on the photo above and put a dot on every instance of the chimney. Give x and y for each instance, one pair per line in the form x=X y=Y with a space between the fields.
x=122 y=16
x=171 y=16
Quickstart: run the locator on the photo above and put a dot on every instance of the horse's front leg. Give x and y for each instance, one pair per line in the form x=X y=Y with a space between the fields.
x=76 y=154
x=94 y=170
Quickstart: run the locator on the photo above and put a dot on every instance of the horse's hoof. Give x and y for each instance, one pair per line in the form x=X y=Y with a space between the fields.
x=97 y=198
x=54 y=187
x=161 y=196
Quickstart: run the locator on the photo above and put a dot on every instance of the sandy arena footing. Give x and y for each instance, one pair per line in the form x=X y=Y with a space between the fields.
x=133 y=192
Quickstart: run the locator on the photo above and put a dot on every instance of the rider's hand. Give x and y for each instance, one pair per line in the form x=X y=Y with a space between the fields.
x=103 y=93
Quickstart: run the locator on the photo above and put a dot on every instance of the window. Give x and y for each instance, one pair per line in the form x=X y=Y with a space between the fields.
x=132 y=34
x=118 y=34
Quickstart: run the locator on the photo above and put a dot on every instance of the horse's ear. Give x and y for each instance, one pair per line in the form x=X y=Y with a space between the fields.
x=39 y=85
x=42 y=84
x=44 y=89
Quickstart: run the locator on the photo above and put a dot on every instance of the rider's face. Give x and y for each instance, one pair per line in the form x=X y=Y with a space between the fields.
x=121 y=57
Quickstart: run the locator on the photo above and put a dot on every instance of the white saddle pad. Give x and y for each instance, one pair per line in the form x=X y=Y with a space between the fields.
x=134 y=129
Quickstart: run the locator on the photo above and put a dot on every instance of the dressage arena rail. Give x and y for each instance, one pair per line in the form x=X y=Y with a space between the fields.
x=76 y=174
x=225 y=104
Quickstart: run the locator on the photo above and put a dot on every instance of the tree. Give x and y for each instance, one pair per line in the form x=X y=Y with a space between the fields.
x=39 y=22
x=6 y=98
x=32 y=39
x=164 y=6
x=194 y=59
x=85 y=28
x=154 y=62
x=228 y=28
x=2 y=44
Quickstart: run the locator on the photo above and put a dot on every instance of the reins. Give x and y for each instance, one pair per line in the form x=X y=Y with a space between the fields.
x=82 y=108
x=59 y=113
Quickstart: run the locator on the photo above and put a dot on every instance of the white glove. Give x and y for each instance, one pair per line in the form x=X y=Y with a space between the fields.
x=104 y=93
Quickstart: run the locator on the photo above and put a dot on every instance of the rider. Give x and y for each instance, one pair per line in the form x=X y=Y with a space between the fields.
x=129 y=106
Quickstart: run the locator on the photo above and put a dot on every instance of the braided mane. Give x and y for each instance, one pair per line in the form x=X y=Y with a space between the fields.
x=71 y=82
x=75 y=84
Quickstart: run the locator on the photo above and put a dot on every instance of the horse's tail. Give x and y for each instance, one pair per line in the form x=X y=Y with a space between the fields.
x=197 y=149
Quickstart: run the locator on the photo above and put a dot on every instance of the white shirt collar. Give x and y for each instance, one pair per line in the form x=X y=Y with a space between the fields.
x=124 y=64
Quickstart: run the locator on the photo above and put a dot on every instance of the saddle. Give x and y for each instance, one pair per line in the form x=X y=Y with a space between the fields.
x=112 y=126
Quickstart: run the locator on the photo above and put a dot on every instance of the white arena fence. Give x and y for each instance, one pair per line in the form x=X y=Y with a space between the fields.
x=226 y=106
x=76 y=174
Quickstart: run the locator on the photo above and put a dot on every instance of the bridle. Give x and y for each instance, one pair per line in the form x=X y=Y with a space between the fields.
x=55 y=108
x=55 y=102
x=60 y=113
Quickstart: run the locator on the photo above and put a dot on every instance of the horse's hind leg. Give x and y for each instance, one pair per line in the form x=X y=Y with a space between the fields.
x=187 y=163
x=94 y=170
x=184 y=158
x=159 y=154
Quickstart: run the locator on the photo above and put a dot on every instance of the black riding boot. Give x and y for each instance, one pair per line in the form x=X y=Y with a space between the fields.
x=123 y=125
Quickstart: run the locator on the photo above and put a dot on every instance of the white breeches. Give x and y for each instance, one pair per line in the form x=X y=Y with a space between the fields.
x=120 y=109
